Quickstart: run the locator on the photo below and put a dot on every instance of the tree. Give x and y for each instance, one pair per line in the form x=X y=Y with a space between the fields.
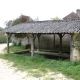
x=55 y=18
x=21 y=19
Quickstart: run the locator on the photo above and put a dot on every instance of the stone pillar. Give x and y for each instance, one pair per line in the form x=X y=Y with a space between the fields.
x=74 y=51
x=76 y=55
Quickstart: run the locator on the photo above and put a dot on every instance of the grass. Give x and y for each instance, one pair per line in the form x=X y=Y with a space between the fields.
x=38 y=65
x=16 y=48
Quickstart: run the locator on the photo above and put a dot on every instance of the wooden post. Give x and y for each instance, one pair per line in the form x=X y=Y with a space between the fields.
x=7 y=43
x=71 y=48
x=54 y=40
x=32 y=45
x=38 y=36
x=60 y=36
x=61 y=43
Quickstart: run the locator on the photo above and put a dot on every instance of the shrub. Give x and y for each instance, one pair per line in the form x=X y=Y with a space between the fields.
x=3 y=39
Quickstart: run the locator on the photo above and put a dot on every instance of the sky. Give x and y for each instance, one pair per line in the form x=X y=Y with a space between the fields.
x=43 y=9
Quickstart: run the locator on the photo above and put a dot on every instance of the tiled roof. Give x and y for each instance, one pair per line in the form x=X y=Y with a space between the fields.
x=72 y=15
x=60 y=26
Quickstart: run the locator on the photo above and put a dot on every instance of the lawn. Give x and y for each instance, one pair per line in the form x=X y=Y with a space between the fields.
x=16 y=48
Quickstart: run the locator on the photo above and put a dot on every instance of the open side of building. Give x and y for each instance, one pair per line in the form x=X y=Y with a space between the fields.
x=60 y=27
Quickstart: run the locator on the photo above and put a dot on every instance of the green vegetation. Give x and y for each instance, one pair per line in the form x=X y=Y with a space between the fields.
x=20 y=19
x=3 y=39
x=77 y=42
x=38 y=65
x=56 y=18
x=16 y=48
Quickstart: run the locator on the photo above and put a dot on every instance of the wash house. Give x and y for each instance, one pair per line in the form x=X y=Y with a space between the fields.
x=61 y=27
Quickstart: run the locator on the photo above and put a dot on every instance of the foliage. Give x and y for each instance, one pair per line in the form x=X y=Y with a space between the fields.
x=77 y=42
x=55 y=18
x=38 y=65
x=3 y=39
x=9 y=23
x=21 y=19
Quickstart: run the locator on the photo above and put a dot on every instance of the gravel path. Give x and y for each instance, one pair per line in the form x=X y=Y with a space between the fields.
x=8 y=73
x=2 y=46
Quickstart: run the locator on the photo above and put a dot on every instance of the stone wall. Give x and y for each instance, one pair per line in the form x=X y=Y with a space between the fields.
x=46 y=41
x=24 y=41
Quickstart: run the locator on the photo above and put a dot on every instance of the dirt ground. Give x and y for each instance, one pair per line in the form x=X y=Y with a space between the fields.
x=8 y=73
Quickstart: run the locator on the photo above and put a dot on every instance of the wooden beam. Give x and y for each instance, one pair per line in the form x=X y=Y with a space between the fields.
x=71 y=48
x=32 y=45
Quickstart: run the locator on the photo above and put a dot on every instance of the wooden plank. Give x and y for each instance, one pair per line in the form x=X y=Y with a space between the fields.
x=23 y=51
x=54 y=54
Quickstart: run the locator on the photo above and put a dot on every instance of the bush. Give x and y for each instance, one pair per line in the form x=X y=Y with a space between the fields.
x=3 y=39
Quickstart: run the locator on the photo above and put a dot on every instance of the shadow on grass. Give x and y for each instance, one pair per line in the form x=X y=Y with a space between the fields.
x=38 y=65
